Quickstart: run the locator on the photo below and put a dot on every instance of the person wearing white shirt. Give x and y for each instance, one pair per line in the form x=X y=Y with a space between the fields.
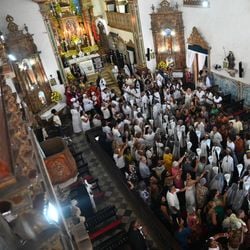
x=149 y=136
x=144 y=105
x=230 y=144
x=157 y=114
x=246 y=180
x=57 y=122
x=87 y=103
x=217 y=100
x=227 y=164
x=106 y=95
x=105 y=111
x=127 y=110
x=237 y=125
x=102 y=84
x=215 y=136
x=201 y=95
x=119 y=158
x=159 y=80
x=173 y=202
x=76 y=120
x=209 y=97
x=246 y=159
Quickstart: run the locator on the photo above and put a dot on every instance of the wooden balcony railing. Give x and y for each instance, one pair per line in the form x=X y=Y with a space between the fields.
x=122 y=21
x=192 y=2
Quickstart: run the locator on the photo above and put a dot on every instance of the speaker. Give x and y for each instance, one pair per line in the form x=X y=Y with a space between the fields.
x=59 y=76
x=148 y=54
x=241 y=70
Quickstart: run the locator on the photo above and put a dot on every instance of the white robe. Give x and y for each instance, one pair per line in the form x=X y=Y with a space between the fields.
x=76 y=121
x=85 y=123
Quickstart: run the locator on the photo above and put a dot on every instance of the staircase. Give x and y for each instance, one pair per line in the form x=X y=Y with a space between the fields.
x=106 y=73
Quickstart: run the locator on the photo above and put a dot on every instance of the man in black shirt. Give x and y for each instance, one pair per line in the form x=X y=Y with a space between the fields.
x=136 y=237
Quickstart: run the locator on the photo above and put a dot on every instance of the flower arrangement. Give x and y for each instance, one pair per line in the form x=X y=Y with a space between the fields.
x=162 y=65
x=70 y=77
x=55 y=97
x=76 y=40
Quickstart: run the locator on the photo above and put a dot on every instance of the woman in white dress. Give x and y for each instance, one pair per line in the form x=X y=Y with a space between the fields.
x=190 y=192
x=85 y=122
x=76 y=121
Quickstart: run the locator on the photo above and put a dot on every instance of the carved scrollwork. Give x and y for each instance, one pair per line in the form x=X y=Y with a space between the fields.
x=22 y=150
x=197 y=39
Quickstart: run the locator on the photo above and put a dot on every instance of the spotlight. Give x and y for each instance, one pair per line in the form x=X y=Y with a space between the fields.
x=12 y=57
x=50 y=213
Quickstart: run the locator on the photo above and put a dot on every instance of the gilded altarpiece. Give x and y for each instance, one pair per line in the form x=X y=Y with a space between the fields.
x=30 y=74
x=168 y=34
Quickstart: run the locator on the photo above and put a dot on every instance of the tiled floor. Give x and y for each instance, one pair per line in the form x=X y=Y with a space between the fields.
x=112 y=195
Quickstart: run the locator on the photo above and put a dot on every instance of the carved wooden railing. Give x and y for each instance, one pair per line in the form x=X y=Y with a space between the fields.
x=192 y=2
x=121 y=21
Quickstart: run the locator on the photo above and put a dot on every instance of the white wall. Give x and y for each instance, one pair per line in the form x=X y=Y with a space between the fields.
x=125 y=35
x=99 y=8
x=224 y=24
x=27 y=12
x=145 y=18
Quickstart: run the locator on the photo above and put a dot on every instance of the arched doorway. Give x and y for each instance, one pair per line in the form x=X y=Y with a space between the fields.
x=198 y=55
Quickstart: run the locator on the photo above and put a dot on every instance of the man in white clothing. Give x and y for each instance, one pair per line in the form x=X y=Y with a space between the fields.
x=173 y=202
x=227 y=164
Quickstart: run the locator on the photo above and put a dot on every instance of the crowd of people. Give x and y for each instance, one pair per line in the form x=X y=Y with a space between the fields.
x=187 y=159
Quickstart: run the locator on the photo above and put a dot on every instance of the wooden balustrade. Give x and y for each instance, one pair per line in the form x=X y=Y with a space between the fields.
x=192 y=2
x=121 y=21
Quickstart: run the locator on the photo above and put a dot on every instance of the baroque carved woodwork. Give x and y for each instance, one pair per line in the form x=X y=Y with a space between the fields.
x=168 y=35
x=59 y=161
x=22 y=152
x=196 y=39
x=28 y=67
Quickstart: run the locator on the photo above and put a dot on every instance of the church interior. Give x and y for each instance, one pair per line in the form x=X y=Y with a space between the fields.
x=125 y=124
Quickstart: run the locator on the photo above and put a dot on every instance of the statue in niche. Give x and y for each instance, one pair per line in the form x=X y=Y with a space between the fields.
x=231 y=60
x=76 y=212
x=42 y=97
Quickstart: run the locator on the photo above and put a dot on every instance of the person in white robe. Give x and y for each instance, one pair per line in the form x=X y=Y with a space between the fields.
x=85 y=122
x=76 y=121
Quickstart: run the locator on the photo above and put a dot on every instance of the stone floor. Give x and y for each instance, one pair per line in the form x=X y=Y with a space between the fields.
x=112 y=195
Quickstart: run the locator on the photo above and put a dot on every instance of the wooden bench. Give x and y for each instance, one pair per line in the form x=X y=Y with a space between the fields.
x=99 y=218
x=105 y=229
x=116 y=241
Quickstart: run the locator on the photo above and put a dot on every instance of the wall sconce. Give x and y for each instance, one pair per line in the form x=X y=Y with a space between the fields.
x=205 y=3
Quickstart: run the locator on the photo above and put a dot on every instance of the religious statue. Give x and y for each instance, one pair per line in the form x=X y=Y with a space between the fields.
x=231 y=60
x=76 y=211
